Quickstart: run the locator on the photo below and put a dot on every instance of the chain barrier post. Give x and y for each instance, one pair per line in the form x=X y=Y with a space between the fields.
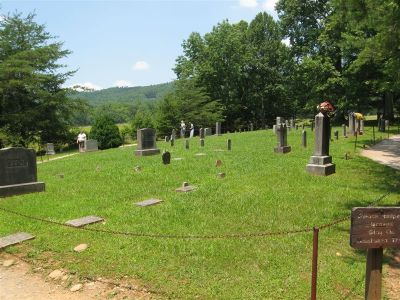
x=314 y=264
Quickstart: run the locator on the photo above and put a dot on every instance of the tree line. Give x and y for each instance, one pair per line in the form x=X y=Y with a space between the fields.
x=343 y=51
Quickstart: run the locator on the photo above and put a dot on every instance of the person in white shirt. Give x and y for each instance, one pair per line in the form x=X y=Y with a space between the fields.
x=81 y=141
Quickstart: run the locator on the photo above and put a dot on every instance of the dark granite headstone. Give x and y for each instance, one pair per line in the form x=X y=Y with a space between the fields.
x=344 y=131
x=321 y=163
x=91 y=145
x=146 y=139
x=201 y=142
x=166 y=158
x=282 y=140
x=336 y=133
x=304 y=139
x=186 y=144
x=50 y=149
x=229 y=144
x=172 y=142
x=18 y=172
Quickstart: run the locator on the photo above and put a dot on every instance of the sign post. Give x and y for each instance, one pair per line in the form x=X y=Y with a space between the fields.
x=374 y=228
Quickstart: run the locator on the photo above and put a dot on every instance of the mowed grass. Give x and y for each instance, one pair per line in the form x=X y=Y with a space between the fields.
x=262 y=191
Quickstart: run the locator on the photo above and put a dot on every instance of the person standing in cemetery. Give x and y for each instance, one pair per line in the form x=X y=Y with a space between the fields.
x=183 y=129
x=191 y=130
x=81 y=141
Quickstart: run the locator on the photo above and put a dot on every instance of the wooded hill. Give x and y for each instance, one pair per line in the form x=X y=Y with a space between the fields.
x=126 y=95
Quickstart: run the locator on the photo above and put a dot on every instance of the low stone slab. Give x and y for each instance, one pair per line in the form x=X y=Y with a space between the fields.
x=177 y=158
x=15 y=239
x=185 y=188
x=84 y=221
x=148 y=202
x=200 y=154
x=21 y=188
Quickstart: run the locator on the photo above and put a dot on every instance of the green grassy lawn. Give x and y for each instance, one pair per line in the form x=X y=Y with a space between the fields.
x=262 y=191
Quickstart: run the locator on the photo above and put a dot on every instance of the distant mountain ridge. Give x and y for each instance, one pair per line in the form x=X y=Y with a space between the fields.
x=128 y=95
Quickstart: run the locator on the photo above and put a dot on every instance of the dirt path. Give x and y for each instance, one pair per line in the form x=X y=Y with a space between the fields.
x=20 y=281
x=386 y=152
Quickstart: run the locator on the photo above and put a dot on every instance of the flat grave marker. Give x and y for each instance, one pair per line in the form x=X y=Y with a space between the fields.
x=148 y=202
x=185 y=188
x=84 y=221
x=16 y=238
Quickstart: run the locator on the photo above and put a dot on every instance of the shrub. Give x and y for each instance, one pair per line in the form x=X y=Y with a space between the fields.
x=105 y=132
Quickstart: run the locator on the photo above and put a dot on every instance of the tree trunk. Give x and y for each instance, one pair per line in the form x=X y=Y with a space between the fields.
x=388 y=106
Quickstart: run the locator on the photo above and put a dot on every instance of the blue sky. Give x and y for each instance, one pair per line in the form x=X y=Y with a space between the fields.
x=130 y=43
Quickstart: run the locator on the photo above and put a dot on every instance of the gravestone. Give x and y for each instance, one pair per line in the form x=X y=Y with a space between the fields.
x=218 y=128
x=202 y=135
x=361 y=126
x=304 y=139
x=201 y=142
x=207 y=131
x=336 y=133
x=185 y=188
x=381 y=125
x=279 y=120
x=386 y=124
x=229 y=144
x=297 y=127
x=14 y=239
x=50 y=149
x=282 y=140
x=91 y=145
x=18 y=172
x=186 y=144
x=358 y=127
x=166 y=158
x=84 y=221
x=172 y=142
x=292 y=123
x=251 y=127
x=287 y=124
x=303 y=126
x=173 y=134
x=166 y=138
x=321 y=163
x=352 y=124
x=148 y=202
x=274 y=129
x=146 y=142
x=344 y=131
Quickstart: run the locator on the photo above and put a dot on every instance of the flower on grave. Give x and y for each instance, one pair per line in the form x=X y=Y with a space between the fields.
x=326 y=108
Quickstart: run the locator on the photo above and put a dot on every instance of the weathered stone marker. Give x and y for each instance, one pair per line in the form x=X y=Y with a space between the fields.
x=202 y=135
x=304 y=139
x=166 y=138
x=352 y=124
x=274 y=129
x=50 y=149
x=374 y=228
x=186 y=144
x=84 y=221
x=321 y=163
x=336 y=133
x=166 y=158
x=344 y=131
x=279 y=121
x=282 y=140
x=148 y=202
x=361 y=126
x=18 y=172
x=16 y=238
x=173 y=134
x=207 y=131
x=146 y=139
x=201 y=142
x=185 y=188
x=91 y=145
x=218 y=128
x=229 y=144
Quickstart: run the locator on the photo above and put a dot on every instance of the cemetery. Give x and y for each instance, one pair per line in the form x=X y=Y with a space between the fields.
x=185 y=246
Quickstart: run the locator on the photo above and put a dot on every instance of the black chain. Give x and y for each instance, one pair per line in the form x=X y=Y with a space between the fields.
x=177 y=236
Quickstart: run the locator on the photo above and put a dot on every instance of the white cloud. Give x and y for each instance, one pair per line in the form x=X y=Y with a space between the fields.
x=122 y=83
x=269 y=5
x=248 y=3
x=87 y=86
x=141 y=65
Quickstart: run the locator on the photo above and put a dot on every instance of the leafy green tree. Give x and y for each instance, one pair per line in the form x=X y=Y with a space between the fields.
x=106 y=132
x=143 y=119
x=33 y=104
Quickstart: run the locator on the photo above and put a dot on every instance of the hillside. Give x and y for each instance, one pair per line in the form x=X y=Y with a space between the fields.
x=128 y=95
